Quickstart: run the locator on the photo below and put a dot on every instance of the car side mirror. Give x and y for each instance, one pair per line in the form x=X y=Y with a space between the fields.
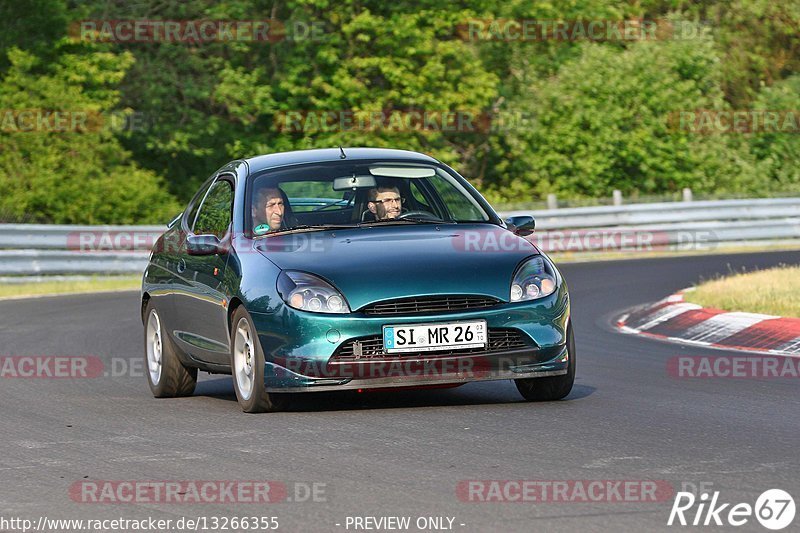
x=204 y=245
x=521 y=225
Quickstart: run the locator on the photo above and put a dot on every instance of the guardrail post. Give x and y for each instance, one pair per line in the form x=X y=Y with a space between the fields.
x=687 y=194
x=552 y=201
x=617 y=197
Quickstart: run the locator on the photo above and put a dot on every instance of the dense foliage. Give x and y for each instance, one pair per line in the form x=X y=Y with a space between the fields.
x=574 y=117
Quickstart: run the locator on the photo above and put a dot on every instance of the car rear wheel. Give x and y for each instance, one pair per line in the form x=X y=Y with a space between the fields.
x=553 y=387
x=247 y=364
x=166 y=375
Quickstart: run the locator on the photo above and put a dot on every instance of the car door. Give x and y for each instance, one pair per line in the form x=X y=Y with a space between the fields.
x=201 y=305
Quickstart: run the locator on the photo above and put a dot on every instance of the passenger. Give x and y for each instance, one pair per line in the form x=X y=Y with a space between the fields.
x=271 y=204
x=385 y=203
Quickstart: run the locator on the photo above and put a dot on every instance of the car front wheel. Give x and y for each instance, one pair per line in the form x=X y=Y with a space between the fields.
x=553 y=387
x=247 y=364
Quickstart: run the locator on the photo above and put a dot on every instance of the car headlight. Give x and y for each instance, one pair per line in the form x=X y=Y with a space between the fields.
x=310 y=293
x=534 y=278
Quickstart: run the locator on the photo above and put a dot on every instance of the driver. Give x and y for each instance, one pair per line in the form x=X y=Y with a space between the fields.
x=270 y=205
x=385 y=203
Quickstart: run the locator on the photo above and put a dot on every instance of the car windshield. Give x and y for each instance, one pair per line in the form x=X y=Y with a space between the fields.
x=345 y=194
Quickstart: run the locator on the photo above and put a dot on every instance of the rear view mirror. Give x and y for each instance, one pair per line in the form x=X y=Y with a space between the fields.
x=521 y=225
x=346 y=183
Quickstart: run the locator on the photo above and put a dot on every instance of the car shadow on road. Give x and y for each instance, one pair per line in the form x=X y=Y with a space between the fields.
x=485 y=393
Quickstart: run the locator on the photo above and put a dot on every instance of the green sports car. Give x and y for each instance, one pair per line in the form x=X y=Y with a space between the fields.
x=351 y=268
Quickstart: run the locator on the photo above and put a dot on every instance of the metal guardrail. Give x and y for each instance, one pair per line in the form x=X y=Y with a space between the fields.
x=44 y=250
x=36 y=249
x=51 y=237
x=663 y=213
x=679 y=226
x=49 y=262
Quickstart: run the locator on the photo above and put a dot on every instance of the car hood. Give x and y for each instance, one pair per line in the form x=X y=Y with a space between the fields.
x=375 y=263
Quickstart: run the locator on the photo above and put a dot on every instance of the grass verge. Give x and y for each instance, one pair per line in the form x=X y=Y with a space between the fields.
x=773 y=292
x=99 y=284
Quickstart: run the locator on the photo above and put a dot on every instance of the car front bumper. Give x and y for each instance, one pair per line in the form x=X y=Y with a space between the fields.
x=301 y=348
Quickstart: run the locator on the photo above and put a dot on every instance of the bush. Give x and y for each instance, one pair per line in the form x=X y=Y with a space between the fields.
x=79 y=175
x=606 y=121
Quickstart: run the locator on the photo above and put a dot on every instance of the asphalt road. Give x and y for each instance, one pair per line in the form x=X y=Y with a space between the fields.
x=400 y=453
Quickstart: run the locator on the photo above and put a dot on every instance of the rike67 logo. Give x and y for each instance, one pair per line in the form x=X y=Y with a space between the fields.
x=774 y=509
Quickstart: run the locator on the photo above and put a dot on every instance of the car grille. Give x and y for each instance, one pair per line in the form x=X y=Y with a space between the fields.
x=429 y=304
x=500 y=339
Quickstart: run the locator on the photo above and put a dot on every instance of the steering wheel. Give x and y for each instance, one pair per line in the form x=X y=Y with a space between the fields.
x=425 y=215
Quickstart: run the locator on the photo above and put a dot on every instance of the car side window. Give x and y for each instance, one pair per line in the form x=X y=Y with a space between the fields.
x=419 y=196
x=458 y=202
x=214 y=216
x=194 y=205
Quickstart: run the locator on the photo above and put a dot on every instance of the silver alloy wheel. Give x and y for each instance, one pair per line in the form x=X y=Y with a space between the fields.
x=243 y=359
x=154 y=347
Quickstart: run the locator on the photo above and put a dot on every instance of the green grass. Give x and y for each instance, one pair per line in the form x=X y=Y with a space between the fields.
x=116 y=283
x=773 y=292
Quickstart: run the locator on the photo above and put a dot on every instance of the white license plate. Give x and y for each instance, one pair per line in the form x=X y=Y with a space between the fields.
x=429 y=337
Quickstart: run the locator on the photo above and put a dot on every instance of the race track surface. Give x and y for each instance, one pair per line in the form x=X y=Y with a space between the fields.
x=399 y=453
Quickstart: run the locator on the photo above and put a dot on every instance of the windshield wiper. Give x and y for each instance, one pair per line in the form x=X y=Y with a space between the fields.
x=410 y=220
x=429 y=221
x=307 y=227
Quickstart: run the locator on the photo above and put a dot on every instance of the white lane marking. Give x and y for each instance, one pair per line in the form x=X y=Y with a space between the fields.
x=722 y=326
x=792 y=347
x=698 y=343
x=719 y=347
x=664 y=314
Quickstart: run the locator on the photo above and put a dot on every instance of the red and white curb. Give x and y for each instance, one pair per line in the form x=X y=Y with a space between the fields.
x=675 y=320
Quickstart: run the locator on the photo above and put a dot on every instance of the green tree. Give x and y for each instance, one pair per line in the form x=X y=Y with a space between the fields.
x=76 y=172
x=606 y=121
x=778 y=153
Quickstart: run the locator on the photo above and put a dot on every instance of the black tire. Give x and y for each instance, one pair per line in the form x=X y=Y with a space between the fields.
x=174 y=380
x=554 y=387
x=258 y=400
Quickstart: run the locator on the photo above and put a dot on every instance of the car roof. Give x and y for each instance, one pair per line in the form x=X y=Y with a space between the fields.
x=264 y=162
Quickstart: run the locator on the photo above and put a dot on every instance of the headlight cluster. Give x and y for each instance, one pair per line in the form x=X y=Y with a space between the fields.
x=534 y=278
x=310 y=293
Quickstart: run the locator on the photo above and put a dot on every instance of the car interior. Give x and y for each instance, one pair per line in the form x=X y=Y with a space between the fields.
x=348 y=206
